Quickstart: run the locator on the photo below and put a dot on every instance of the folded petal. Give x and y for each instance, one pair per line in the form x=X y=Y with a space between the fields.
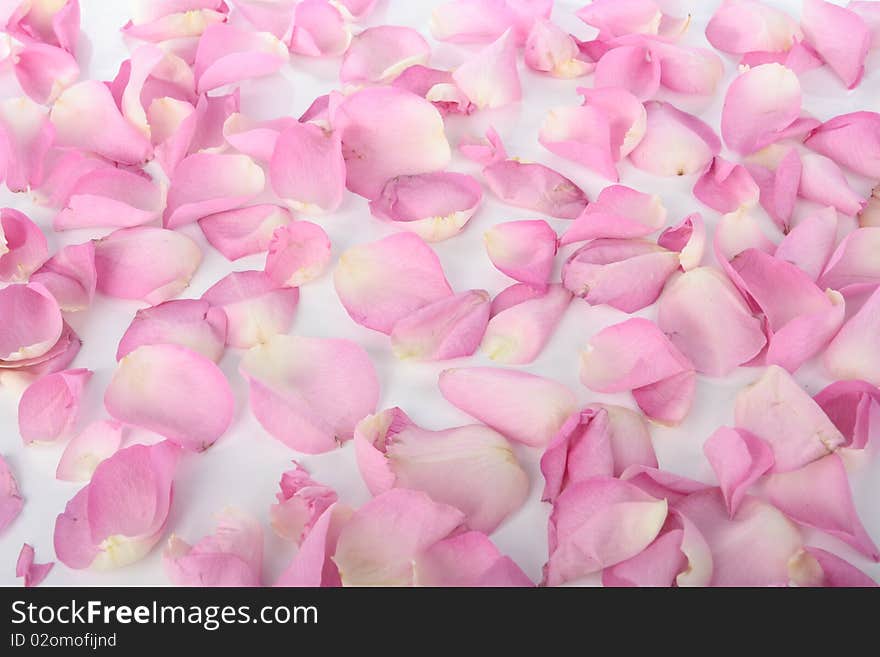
x=379 y=54
x=823 y=182
x=151 y=264
x=634 y=68
x=70 y=276
x=852 y=406
x=779 y=188
x=172 y=391
x=182 y=27
x=33 y=573
x=25 y=137
x=451 y=327
x=840 y=36
x=615 y=18
x=86 y=117
x=307 y=169
x=313 y=563
x=806 y=335
x=535 y=187
x=310 y=393
x=228 y=54
x=618 y=211
x=298 y=253
x=704 y=315
x=517 y=333
x=778 y=410
x=300 y=504
x=245 y=231
x=739 y=459
x=598 y=523
x=44 y=71
x=852 y=354
x=190 y=323
x=58 y=357
x=10 y=497
x=319 y=29
x=688 y=238
x=726 y=186
x=472 y=468
x=688 y=70
x=550 y=49
x=852 y=140
x=749 y=25
x=625 y=274
x=668 y=401
x=55 y=23
x=23 y=247
x=675 y=143
x=49 y=408
x=374 y=123
x=467 y=559
x=96 y=443
x=382 y=282
x=816 y=567
x=435 y=206
x=482 y=21
x=818 y=495
x=853 y=264
x=111 y=197
x=809 y=244
x=524 y=250
x=490 y=79
x=37 y=326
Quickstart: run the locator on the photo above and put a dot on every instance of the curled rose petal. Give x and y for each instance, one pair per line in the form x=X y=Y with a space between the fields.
x=183 y=27
x=319 y=29
x=33 y=573
x=749 y=25
x=853 y=353
x=375 y=124
x=726 y=186
x=207 y=183
x=245 y=231
x=227 y=54
x=524 y=250
x=625 y=274
x=852 y=140
x=816 y=567
x=618 y=211
x=467 y=559
x=853 y=265
x=298 y=253
x=190 y=323
x=550 y=49
x=379 y=54
x=517 y=333
x=435 y=206
x=23 y=246
x=255 y=307
x=300 y=503
x=806 y=335
x=96 y=443
x=231 y=556
x=172 y=391
x=688 y=238
x=779 y=188
x=70 y=276
x=655 y=566
x=675 y=143
x=778 y=410
x=54 y=22
x=25 y=137
x=10 y=498
x=823 y=182
x=472 y=468
x=535 y=187
x=523 y=407
x=435 y=85
x=631 y=67
x=482 y=21
x=256 y=139
x=152 y=264
x=818 y=495
x=451 y=327
x=49 y=408
x=705 y=316
x=120 y=515
x=38 y=325
x=809 y=244
x=688 y=70
x=739 y=459
x=489 y=79
x=597 y=523
x=307 y=169
x=852 y=406
x=840 y=36
x=615 y=18
x=313 y=563
x=44 y=71
x=58 y=357
x=382 y=282
x=310 y=393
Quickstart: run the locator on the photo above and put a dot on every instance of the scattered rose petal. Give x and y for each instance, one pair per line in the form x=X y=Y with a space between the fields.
x=816 y=567
x=96 y=443
x=451 y=327
x=300 y=504
x=298 y=253
x=688 y=238
x=380 y=54
x=810 y=243
x=307 y=169
x=49 y=408
x=852 y=406
x=851 y=140
x=228 y=54
x=524 y=250
x=739 y=459
x=726 y=187
x=33 y=573
x=550 y=49
x=618 y=211
x=190 y=323
x=675 y=143
x=853 y=353
x=245 y=231
x=749 y=25
x=840 y=36
x=24 y=246
x=10 y=498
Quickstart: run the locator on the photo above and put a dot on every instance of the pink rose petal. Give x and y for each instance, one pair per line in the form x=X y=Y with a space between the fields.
x=190 y=323
x=550 y=49
x=823 y=182
x=44 y=71
x=675 y=143
x=307 y=169
x=630 y=67
x=618 y=211
x=227 y=54
x=748 y=25
x=319 y=29
x=853 y=353
x=298 y=253
x=535 y=187
x=809 y=244
x=96 y=443
x=451 y=327
x=33 y=573
x=779 y=188
x=852 y=406
x=245 y=231
x=851 y=140
x=49 y=408
x=816 y=567
x=467 y=559
x=739 y=459
x=840 y=36
x=38 y=324
x=482 y=21
x=70 y=276
x=299 y=505
x=524 y=250
x=853 y=264
x=10 y=498
x=25 y=137
x=23 y=248
x=380 y=54
x=688 y=238
x=726 y=187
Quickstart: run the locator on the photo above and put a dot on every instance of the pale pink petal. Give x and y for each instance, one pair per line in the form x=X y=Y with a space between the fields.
x=853 y=353
x=482 y=21
x=25 y=137
x=207 y=183
x=851 y=140
x=307 y=169
x=778 y=410
x=524 y=250
x=256 y=139
x=634 y=68
x=435 y=206
x=467 y=559
x=313 y=563
x=751 y=549
x=739 y=459
x=212 y=112
x=85 y=116
x=33 y=573
x=688 y=70
x=275 y=16
x=388 y=132
x=227 y=54
x=870 y=216
x=97 y=442
x=517 y=334
x=535 y=187
x=451 y=327
x=310 y=393
x=668 y=401
x=823 y=182
x=870 y=13
x=298 y=253
x=231 y=556
x=750 y=25
x=472 y=468
x=37 y=326
x=809 y=244
x=854 y=263
x=172 y=391
x=111 y=197
x=58 y=357
x=705 y=316
x=597 y=441
x=655 y=566
x=489 y=79
x=300 y=504
x=550 y=49
x=23 y=248
x=381 y=542
x=615 y=18
x=436 y=85
x=10 y=498
x=624 y=274
x=726 y=187
x=70 y=276
x=523 y=407
x=182 y=27
x=840 y=36
x=760 y=104
x=806 y=335
x=55 y=22
x=618 y=211
x=152 y=74
x=379 y=54
x=319 y=30
x=245 y=231
x=44 y=71
x=356 y=10
x=484 y=151
x=49 y=408
x=675 y=143
x=818 y=495
x=800 y=58
x=852 y=406
x=190 y=323
x=779 y=188
x=816 y=567
x=172 y=123
x=688 y=238
x=382 y=282
x=152 y=264
x=598 y=523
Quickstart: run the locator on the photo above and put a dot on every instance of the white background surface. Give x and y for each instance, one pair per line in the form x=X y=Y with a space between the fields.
x=243 y=468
